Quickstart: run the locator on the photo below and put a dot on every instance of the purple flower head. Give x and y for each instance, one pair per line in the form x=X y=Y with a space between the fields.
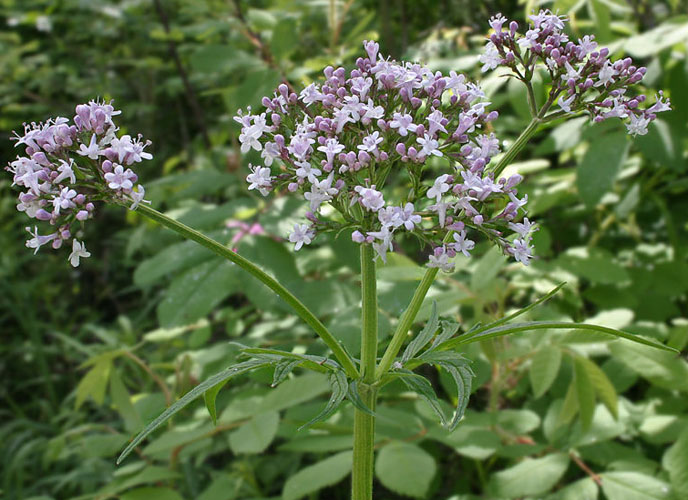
x=386 y=149
x=68 y=167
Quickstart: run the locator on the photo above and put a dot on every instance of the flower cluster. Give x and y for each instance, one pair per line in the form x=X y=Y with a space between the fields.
x=339 y=143
x=583 y=77
x=67 y=168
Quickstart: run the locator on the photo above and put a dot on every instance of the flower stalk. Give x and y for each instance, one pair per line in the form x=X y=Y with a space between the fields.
x=298 y=306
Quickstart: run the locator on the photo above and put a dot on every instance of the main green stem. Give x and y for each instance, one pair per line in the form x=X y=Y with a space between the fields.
x=298 y=306
x=364 y=423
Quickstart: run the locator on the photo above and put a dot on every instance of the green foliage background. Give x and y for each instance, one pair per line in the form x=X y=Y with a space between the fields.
x=90 y=355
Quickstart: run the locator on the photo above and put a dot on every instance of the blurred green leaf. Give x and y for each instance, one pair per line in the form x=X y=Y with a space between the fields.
x=543 y=369
x=317 y=476
x=533 y=476
x=600 y=165
x=405 y=469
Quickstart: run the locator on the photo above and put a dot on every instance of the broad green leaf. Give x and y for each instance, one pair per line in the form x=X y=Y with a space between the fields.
x=675 y=461
x=223 y=487
x=175 y=258
x=633 y=486
x=600 y=166
x=518 y=421
x=660 y=368
x=585 y=393
x=216 y=379
x=318 y=444
x=544 y=369
x=583 y=489
x=657 y=39
x=549 y=325
x=600 y=13
x=197 y=291
x=151 y=493
x=94 y=383
x=569 y=407
x=423 y=337
x=603 y=387
x=405 y=469
x=531 y=477
x=284 y=38
x=340 y=388
x=256 y=434
x=487 y=269
x=318 y=476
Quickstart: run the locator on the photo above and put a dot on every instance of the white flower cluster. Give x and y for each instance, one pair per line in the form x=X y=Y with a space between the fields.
x=342 y=142
x=67 y=168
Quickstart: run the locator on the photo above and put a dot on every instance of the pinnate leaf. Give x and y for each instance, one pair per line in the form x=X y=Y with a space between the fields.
x=216 y=379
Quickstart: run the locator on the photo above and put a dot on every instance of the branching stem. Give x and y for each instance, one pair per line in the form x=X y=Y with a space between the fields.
x=298 y=306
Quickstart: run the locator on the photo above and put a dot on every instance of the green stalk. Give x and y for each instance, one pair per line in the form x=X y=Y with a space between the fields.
x=364 y=446
x=405 y=322
x=368 y=315
x=221 y=250
x=364 y=423
x=517 y=146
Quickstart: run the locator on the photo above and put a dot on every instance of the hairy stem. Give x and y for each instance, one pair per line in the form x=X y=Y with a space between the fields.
x=221 y=250
x=364 y=424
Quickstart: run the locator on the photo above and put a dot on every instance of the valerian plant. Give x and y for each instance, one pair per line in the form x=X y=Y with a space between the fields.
x=364 y=149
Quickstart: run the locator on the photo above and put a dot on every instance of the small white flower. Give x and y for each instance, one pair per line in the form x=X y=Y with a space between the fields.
x=370 y=142
x=462 y=244
x=439 y=187
x=307 y=171
x=38 y=241
x=301 y=235
x=78 y=251
x=429 y=145
x=321 y=191
x=521 y=251
x=565 y=103
x=92 y=150
x=259 y=179
x=606 y=75
x=637 y=125
x=405 y=217
x=137 y=197
x=370 y=198
x=120 y=178
x=404 y=123
x=440 y=259
x=490 y=58
x=523 y=228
